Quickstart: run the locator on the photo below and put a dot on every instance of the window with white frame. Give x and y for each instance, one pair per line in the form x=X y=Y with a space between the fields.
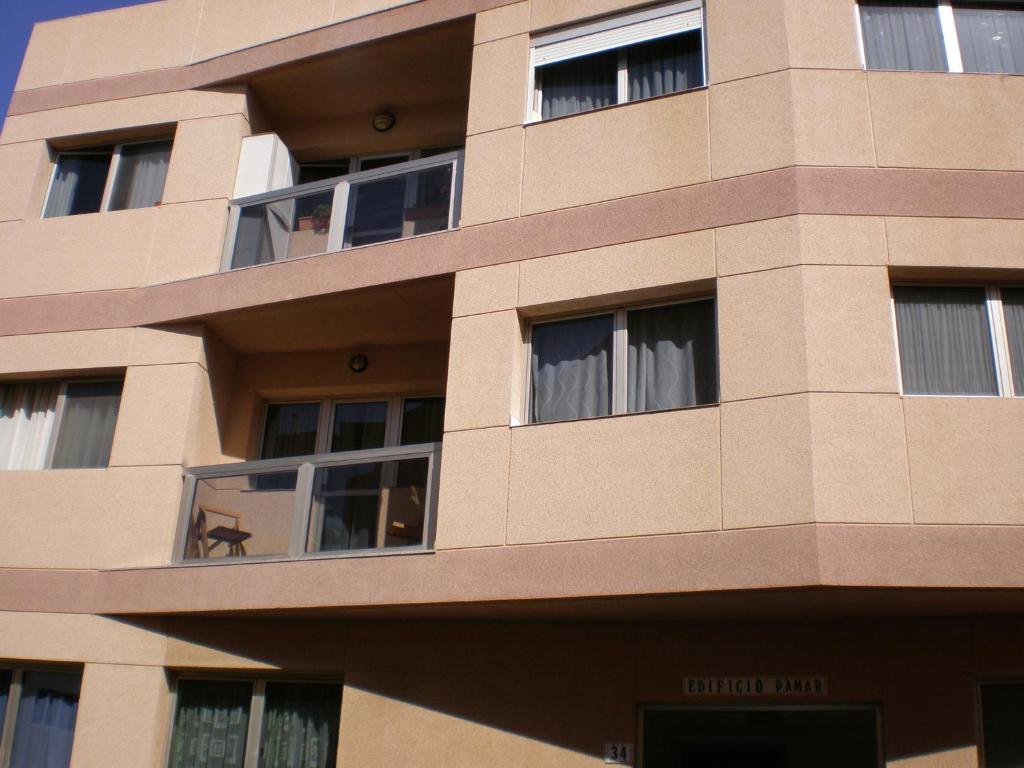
x=624 y=361
x=960 y=340
x=38 y=710
x=57 y=424
x=943 y=35
x=255 y=724
x=108 y=178
x=626 y=58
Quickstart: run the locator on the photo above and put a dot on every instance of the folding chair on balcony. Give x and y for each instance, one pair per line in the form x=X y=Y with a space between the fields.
x=231 y=535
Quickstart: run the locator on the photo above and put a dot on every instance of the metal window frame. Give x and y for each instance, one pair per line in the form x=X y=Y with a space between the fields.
x=257 y=707
x=14 y=694
x=998 y=342
x=337 y=239
x=535 y=84
x=738 y=707
x=620 y=357
x=112 y=170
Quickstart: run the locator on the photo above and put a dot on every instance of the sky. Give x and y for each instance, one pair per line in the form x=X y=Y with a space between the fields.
x=16 y=20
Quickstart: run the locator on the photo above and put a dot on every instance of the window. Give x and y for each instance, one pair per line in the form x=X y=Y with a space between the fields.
x=624 y=361
x=943 y=36
x=261 y=724
x=1002 y=712
x=57 y=424
x=960 y=340
x=108 y=178
x=628 y=58
x=42 y=706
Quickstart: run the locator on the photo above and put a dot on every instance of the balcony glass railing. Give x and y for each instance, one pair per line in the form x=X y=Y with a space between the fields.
x=389 y=203
x=356 y=502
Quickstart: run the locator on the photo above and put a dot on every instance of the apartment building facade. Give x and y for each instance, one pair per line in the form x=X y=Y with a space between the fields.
x=545 y=382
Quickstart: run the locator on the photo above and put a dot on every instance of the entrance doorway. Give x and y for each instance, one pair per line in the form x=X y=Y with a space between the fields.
x=760 y=737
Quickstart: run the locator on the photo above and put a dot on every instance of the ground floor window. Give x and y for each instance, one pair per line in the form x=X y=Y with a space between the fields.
x=768 y=737
x=38 y=709
x=1002 y=716
x=255 y=724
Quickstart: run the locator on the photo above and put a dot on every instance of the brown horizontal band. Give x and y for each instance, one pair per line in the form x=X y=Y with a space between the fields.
x=236 y=65
x=810 y=556
x=772 y=194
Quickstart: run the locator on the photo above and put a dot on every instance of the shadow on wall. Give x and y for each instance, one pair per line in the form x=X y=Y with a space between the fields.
x=558 y=691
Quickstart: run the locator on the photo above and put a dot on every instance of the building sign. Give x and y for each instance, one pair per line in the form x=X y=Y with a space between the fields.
x=756 y=685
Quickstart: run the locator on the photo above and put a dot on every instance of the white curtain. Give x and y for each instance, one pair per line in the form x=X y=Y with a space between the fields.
x=45 y=726
x=672 y=360
x=300 y=726
x=579 y=85
x=665 y=65
x=141 y=173
x=571 y=369
x=903 y=35
x=991 y=36
x=27 y=413
x=211 y=724
x=945 y=341
x=1013 y=312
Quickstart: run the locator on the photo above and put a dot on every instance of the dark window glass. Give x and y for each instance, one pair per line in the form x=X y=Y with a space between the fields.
x=322 y=169
x=87 y=422
x=422 y=420
x=571 y=369
x=79 y=182
x=666 y=65
x=290 y=430
x=45 y=725
x=300 y=725
x=5 y=692
x=991 y=36
x=579 y=84
x=359 y=426
x=211 y=724
x=1002 y=713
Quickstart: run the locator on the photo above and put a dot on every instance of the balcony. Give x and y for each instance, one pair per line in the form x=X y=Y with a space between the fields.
x=338 y=504
x=390 y=203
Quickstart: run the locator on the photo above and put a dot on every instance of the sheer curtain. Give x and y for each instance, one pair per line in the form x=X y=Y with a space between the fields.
x=571 y=367
x=903 y=35
x=78 y=183
x=141 y=173
x=1013 y=312
x=665 y=65
x=45 y=726
x=580 y=84
x=27 y=414
x=211 y=724
x=945 y=342
x=991 y=36
x=87 y=424
x=300 y=726
x=672 y=356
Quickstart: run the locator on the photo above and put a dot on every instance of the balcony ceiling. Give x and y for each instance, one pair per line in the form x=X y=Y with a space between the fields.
x=424 y=68
x=403 y=313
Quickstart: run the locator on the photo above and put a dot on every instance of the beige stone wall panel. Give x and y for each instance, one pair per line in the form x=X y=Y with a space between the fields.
x=487 y=289
x=634 y=475
x=43 y=63
x=831 y=121
x=752 y=127
x=965 y=459
x=859 y=458
x=822 y=34
x=205 y=158
x=767 y=462
x=959 y=243
x=497 y=91
x=492 y=184
x=122 y=718
x=848 y=329
x=473 y=501
x=350 y=9
x=504 y=21
x=25 y=169
x=167 y=344
x=745 y=39
x=481 y=368
x=761 y=324
x=49 y=354
x=554 y=13
x=230 y=25
x=77 y=638
x=589 y=149
x=931 y=120
x=188 y=241
x=651 y=267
